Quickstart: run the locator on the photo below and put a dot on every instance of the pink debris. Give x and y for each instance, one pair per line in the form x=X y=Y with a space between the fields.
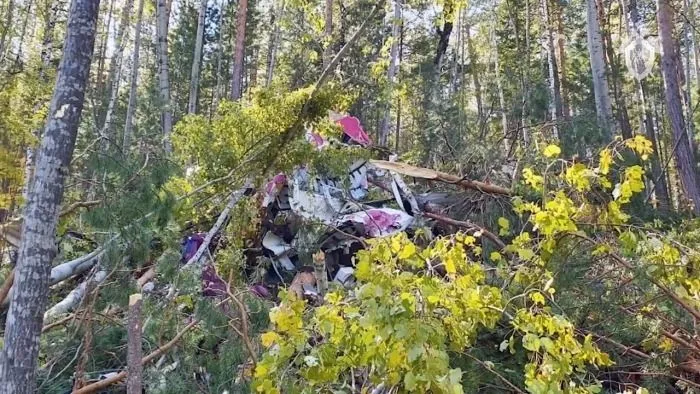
x=378 y=221
x=273 y=187
x=316 y=139
x=352 y=127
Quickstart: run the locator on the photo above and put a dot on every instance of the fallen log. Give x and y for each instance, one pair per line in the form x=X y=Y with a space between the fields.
x=74 y=297
x=426 y=173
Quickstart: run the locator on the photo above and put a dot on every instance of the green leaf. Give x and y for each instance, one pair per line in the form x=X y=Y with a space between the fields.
x=531 y=342
x=409 y=381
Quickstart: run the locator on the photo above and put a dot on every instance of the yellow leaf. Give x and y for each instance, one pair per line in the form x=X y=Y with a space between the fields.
x=537 y=298
x=269 y=338
x=504 y=225
x=495 y=256
x=552 y=151
x=606 y=160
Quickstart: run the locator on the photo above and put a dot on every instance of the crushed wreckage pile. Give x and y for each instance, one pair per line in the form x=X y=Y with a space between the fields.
x=303 y=214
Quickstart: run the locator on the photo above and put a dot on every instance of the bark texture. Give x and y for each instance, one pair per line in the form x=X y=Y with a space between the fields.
x=685 y=163
x=239 y=51
x=596 y=53
x=129 y=122
x=25 y=316
x=197 y=59
x=391 y=72
x=162 y=16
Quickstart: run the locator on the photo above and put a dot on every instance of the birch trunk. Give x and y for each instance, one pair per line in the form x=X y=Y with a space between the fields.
x=131 y=107
x=197 y=59
x=46 y=52
x=685 y=162
x=26 y=314
x=115 y=76
x=239 y=51
x=391 y=73
x=162 y=17
x=603 y=105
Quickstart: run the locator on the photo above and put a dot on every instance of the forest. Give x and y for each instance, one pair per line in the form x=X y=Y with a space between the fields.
x=349 y=196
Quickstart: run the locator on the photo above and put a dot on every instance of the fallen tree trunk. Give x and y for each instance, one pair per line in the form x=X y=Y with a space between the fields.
x=74 y=297
x=426 y=173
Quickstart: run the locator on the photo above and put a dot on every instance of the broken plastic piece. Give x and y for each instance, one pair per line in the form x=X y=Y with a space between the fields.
x=345 y=276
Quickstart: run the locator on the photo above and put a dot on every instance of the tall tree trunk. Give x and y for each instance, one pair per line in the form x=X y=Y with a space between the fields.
x=398 y=98
x=474 y=70
x=38 y=249
x=685 y=162
x=328 y=34
x=239 y=51
x=276 y=17
x=23 y=31
x=601 y=91
x=555 y=107
x=216 y=97
x=391 y=72
x=623 y=119
x=162 y=22
x=131 y=107
x=115 y=76
x=46 y=52
x=560 y=53
x=99 y=85
x=501 y=98
x=688 y=38
x=6 y=26
x=197 y=59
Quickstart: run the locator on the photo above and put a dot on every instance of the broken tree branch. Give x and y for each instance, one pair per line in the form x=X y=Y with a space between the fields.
x=468 y=225
x=233 y=200
x=74 y=297
x=426 y=173
x=134 y=352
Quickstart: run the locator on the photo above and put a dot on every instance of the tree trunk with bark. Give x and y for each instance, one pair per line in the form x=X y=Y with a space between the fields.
x=115 y=75
x=239 y=51
x=685 y=162
x=7 y=25
x=197 y=59
x=131 y=107
x=555 y=106
x=162 y=17
x=560 y=53
x=275 y=17
x=328 y=34
x=26 y=314
x=474 y=70
x=596 y=53
x=46 y=52
x=391 y=72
